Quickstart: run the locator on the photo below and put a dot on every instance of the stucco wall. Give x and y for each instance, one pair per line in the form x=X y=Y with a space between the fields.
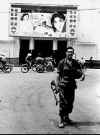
x=10 y=48
x=86 y=50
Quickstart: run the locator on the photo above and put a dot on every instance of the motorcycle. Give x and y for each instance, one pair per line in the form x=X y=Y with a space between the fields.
x=6 y=68
x=47 y=66
x=26 y=67
x=38 y=67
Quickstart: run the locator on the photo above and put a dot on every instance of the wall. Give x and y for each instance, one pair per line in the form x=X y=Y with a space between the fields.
x=11 y=49
x=88 y=31
x=86 y=50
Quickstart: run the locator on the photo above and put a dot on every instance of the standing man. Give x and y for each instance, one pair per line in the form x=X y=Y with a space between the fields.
x=91 y=62
x=68 y=70
x=82 y=62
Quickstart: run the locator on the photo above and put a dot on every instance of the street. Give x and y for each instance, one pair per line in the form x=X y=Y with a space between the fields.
x=27 y=105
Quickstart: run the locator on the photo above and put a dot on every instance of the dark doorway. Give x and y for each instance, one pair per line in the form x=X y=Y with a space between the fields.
x=24 y=48
x=62 y=45
x=44 y=47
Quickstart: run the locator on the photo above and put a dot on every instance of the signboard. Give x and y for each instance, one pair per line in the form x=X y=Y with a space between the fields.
x=43 y=24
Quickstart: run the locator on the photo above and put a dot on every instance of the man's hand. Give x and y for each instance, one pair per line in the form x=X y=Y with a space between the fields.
x=83 y=77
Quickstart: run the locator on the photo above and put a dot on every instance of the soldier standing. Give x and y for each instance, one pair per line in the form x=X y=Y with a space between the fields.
x=67 y=71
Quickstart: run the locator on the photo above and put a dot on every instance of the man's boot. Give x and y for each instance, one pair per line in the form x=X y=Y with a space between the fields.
x=67 y=120
x=61 y=123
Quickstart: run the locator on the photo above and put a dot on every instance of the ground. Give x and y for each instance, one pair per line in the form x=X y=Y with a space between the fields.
x=27 y=104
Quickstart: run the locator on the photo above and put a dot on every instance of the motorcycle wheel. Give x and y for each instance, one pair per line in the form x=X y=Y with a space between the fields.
x=40 y=68
x=24 y=68
x=49 y=68
x=7 y=68
x=34 y=67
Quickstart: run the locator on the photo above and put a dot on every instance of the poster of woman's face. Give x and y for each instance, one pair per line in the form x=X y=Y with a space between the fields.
x=43 y=24
x=25 y=16
x=58 y=22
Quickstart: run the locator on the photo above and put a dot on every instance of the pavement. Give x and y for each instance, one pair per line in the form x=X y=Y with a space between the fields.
x=27 y=105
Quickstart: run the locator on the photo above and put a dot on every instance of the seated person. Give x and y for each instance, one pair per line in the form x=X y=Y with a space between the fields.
x=28 y=59
x=3 y=59
x=48 y=61
x=39 y=59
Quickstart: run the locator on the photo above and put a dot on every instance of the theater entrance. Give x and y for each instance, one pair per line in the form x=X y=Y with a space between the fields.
x=44 y=47
x=24 y=48
x=62 y=45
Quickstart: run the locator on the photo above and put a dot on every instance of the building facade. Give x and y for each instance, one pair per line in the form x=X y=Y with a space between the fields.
x=45 y=29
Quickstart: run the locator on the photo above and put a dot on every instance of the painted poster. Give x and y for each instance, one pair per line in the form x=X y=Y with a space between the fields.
x=42 y=25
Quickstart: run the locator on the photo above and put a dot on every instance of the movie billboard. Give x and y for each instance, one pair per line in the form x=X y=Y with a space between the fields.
x=37 y=24
x=42 y=25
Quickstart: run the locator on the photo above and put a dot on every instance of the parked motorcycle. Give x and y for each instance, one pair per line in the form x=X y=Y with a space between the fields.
x=46 y=66
x=28 y=66
x=6 y=68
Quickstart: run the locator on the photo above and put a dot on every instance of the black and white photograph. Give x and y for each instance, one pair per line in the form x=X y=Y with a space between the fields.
x=50 y=67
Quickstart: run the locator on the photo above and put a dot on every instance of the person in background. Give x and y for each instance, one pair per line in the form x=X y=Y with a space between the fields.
x=28 y=59
x=83 y=66
x=91 y=61
x=82 y=62
x=3 y=59
x=68 y=71
x=39 y=59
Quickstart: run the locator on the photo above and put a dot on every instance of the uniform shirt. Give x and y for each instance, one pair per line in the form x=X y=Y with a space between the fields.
x=69 y=71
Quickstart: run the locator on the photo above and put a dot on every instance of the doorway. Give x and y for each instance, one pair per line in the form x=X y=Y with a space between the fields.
x=24 y=48
x=62 y=45
x=44 y=47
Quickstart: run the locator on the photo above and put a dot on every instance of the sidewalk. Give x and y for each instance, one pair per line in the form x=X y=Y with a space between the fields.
x=28 y=106
x=88 y=69
x=18 y=69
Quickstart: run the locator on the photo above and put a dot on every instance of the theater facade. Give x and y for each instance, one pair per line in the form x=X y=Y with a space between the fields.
x=45 y=29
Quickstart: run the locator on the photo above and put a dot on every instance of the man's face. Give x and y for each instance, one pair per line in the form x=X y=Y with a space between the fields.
x=69 y=53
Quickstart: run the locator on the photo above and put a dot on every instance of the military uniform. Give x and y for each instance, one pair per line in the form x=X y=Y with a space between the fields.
x=68 y=72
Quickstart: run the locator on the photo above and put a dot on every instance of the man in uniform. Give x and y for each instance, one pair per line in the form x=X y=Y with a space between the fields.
x=68 y=70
